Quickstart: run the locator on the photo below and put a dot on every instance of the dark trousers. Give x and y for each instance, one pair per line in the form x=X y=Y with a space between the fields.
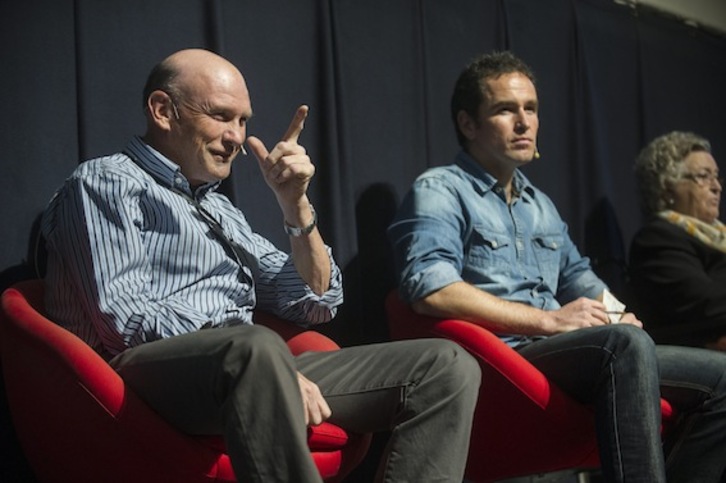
x=241 y=382
x=622 y=373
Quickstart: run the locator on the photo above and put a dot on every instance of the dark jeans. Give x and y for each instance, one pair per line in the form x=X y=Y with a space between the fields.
x=622 y=373
x=241 y=382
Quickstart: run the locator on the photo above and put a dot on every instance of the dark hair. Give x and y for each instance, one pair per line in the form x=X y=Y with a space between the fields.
x=468 y=95
x=162 y=77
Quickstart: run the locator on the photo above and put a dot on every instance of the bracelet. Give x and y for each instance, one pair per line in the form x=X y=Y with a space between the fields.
x=296 y=232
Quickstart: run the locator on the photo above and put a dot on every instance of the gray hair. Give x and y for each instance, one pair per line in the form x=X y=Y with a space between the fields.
x=661 y=163
x=162 y=77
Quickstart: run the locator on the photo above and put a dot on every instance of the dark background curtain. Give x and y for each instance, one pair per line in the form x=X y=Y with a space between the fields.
x=377 y=75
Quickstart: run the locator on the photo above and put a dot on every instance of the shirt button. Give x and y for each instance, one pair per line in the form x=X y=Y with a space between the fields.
x=178 y=181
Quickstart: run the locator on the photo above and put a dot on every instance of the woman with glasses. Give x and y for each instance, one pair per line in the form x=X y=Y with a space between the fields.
x=678 y=258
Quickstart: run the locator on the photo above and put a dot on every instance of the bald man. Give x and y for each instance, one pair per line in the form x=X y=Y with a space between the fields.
x=160 y=273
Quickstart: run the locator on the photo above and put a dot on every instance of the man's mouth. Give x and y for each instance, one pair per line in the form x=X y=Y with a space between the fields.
x=224 y=157
x=522 y=141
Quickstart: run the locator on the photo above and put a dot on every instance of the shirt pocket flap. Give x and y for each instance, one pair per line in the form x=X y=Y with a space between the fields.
x=490 y=239
x=548 y=242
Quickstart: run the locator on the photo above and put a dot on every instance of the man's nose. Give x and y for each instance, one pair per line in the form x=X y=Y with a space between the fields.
x=521 y=122
x=234 y=136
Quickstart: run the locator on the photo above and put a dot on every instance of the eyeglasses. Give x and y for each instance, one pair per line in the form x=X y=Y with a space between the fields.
x=705 y=178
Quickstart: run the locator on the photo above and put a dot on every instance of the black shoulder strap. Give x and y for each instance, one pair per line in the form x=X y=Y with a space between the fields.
x=234 y=250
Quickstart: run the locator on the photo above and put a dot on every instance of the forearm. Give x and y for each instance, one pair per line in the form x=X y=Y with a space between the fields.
x=309 y=253
x=464 y=301
x=312 y=261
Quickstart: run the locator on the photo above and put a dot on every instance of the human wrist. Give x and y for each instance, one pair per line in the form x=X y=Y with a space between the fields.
x=297 y=229
x=548 y=322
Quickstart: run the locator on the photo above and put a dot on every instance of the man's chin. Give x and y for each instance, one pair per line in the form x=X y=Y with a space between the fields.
x=217 y=176
x=222 y=169
x=522 y=158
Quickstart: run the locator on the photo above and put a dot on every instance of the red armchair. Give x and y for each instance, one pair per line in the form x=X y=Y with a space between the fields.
x=523 y=424
x=78 y=421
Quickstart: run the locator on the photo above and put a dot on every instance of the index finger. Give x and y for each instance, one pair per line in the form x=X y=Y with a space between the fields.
x=297 y=124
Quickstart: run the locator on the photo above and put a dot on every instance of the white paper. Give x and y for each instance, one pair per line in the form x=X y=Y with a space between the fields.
x=612 y=304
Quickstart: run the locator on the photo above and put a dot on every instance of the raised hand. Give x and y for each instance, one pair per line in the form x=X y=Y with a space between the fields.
x=287 y=169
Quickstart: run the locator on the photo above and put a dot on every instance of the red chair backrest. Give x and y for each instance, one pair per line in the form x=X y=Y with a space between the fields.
x=75 y=417
x=78 y=421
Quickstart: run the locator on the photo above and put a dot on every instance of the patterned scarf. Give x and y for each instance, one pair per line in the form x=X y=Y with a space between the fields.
x=713 y=235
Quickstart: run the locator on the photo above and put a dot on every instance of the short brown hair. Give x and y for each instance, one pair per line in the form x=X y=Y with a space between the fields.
x=468 y=95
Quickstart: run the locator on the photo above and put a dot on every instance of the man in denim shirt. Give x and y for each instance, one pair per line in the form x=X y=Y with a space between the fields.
x=476 y=240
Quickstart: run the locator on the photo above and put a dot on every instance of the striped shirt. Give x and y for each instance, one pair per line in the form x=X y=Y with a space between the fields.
x=131 y=260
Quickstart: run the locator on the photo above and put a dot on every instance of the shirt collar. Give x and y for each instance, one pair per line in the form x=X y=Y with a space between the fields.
x=164 y=170
x=487 y=182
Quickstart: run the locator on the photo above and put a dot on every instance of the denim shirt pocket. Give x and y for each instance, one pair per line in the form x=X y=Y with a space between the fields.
x=487 y=251
x=547 y=252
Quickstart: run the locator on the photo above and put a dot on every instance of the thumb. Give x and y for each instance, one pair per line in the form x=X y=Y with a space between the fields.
x=258 y=148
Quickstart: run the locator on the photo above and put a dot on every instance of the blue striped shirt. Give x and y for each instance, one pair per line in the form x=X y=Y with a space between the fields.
x=131 y=261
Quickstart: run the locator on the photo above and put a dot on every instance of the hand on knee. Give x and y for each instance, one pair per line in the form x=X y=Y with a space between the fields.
x=314 y=404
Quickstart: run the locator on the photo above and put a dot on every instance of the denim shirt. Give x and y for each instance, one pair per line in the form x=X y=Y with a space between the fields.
x=455 y=225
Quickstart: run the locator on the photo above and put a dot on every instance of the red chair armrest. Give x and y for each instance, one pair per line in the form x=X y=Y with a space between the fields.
x=298 y=339
x=482 y=343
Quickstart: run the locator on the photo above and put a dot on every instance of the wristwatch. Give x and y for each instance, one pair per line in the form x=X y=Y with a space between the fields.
x=296 y=232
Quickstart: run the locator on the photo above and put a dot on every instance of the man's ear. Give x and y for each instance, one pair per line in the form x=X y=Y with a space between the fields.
x=467 y=125
x=161 y=109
